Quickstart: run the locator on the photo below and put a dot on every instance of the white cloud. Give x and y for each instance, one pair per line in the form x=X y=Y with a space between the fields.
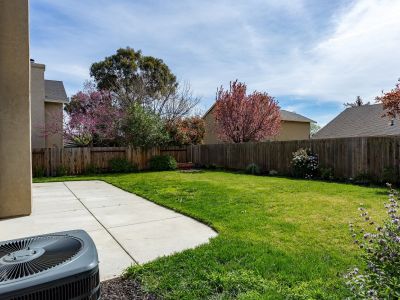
x=283 y=47
x=360 y=57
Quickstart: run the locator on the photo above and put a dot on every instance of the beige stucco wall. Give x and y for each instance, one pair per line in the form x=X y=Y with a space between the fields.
x=293 y=131
x=53 y=120
x=289 y=130
x=15 y=139
x=210 y=135
x=37 y=105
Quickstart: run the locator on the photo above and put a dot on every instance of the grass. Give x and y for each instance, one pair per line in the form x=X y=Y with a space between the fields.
x=279 y=238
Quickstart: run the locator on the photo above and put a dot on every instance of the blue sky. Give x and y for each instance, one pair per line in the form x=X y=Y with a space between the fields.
x=311 y=55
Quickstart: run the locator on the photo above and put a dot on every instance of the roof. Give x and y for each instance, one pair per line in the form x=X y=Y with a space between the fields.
x=359 y=121
x=54 y=91
x=37 y=65
x=294 y=117
x=285 y=116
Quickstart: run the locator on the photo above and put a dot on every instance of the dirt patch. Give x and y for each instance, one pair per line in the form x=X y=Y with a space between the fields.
x=124 y=289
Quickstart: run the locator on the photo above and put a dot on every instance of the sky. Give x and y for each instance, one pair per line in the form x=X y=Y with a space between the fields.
x=311 y=55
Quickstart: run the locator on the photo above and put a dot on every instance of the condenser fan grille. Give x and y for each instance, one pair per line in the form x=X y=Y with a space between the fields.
x=30 y=256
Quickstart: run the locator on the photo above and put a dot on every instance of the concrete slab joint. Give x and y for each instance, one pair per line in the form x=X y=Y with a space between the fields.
x=127 y=229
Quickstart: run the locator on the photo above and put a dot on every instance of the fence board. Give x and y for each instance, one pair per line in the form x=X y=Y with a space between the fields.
x=179 y=153
x=51 y=161
x=348 y=157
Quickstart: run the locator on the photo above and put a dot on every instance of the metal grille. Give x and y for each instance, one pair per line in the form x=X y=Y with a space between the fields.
x=25 y=257
x=86 y=288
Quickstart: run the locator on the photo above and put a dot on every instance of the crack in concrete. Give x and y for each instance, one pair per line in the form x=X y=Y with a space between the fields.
x=144 y=222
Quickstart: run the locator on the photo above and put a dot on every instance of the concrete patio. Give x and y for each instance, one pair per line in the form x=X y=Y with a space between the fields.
x=126 y=229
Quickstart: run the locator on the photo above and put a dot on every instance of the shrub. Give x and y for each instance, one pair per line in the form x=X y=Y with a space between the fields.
x=326 y=173
x=390 y=175
x=211 y=166
x=304 y=163
x=381 y=255
x=92 y=169
x=143 y=128
x=253 y=169
x=163 y=163
x=363 y=178
x=186 y=131
x=273 y=173
x=39 y=172
x=121 y=165
x=61 y=171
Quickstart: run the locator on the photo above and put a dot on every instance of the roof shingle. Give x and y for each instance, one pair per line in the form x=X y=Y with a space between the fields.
x=359 y=121
x=285 y=116
x=54 y=91
x=294 y=117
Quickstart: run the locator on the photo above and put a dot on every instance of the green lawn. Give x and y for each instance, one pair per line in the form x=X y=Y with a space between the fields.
x=279 y=238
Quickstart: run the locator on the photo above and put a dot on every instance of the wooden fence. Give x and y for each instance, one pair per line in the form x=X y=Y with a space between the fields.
x=347 y=157
x=179 y=153
x=50 y=161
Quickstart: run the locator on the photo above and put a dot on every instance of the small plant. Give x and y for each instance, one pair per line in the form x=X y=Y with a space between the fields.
x=390 y=175
x=273 y=173
x=211 y=167
x=61 y=171
x=92 y=169
x=363 y=178
x=163 y=163
x=326 y=174
x=253 y=169
x=304 y=163
x=381 y=255
x=39 y=172
x=121 y=165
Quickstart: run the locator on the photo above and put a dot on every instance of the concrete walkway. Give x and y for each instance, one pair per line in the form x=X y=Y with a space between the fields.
x=126 y=229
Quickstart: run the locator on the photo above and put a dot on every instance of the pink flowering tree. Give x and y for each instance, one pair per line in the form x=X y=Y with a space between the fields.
x=391 y=102
x=92 y=117
x=245 y=118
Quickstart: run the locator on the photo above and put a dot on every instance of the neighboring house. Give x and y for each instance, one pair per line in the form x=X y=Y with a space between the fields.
x=365 y=120
x=47 y=100
x=293 y=127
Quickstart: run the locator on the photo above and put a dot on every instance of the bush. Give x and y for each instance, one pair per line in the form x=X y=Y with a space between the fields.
x=326 y=173
x=304 y=163
x=253 y=169
x=39 y=172
x=163 y=163
x=273 y=173
x=61 y=171
x=121 y=165
x=186 y=131
x=143 y=128
x=363 y=178
x=390 y=175
x=92 y=169
x=380 y=278
x=211 y=167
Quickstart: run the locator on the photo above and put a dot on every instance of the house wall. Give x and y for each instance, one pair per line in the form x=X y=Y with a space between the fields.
x=293 y=131
x=210 y=136
x=37 y=105
x=53 y=120
x=15 y=123
x=289 y=130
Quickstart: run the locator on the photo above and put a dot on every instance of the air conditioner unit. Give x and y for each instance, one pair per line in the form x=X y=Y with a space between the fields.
x=59 y=266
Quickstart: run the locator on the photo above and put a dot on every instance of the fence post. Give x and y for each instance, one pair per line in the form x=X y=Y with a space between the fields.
x=347 y=156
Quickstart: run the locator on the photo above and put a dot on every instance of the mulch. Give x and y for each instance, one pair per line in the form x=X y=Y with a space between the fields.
x=124 y=289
